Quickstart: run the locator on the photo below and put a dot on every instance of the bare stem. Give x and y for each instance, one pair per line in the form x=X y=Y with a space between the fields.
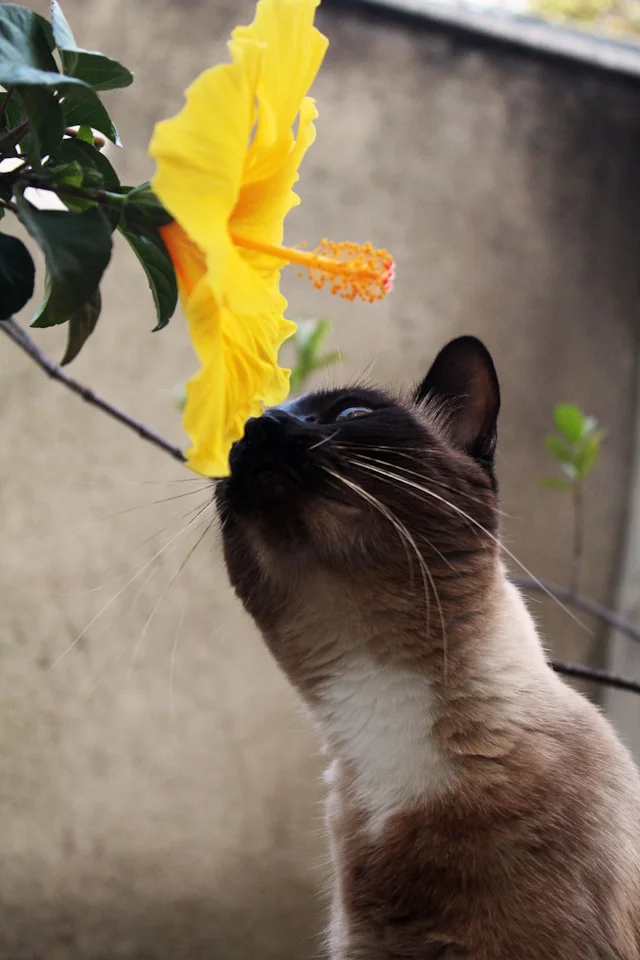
x=578 y=536
x=579 y=602
x=15 y=332
x=596 y=676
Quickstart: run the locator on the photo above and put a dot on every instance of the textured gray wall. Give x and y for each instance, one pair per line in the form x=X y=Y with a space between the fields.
x=159 y=786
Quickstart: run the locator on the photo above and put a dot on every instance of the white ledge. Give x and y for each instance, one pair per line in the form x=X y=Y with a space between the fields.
x=612 y=55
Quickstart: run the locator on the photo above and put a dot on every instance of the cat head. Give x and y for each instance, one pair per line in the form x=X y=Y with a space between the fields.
x=378 y=498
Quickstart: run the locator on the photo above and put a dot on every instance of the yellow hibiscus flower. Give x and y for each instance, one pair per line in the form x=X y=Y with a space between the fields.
x=225 y=170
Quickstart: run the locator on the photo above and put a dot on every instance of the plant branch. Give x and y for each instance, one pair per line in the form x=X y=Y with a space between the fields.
x=15 y=332
x=580 y=672
x=584 y=604
x=578 y=536
x=10 y=139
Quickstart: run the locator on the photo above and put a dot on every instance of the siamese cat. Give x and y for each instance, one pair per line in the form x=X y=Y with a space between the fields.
x=478 y=807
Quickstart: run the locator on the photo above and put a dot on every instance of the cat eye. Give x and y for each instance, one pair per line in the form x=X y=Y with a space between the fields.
x=350 y=412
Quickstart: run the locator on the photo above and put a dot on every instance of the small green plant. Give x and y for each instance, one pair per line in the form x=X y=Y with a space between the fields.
x=575 y=448
x=307 y=342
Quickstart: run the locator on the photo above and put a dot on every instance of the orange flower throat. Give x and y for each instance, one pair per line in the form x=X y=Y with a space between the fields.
x=351 y=270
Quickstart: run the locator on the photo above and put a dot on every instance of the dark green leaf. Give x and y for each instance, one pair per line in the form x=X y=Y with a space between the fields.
x=2 y=212
x=89 y=113
x=81 y=325
x=17 y=274
x=45 y=26
x=554 y=483
x=90 y=159
x=45 y=123
x=81 y=103
x=569 y=420
x=77 y=249
x=101 y=72
x=69 y=174
x=559 y=449
x=158 y=268
x=13 y=113
x=142 y=210
x=62 y=33
x=23 y=42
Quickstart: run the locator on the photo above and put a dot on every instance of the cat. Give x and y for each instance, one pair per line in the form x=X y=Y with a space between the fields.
x=478 y=807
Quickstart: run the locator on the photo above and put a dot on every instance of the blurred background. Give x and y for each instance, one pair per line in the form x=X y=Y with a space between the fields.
x=160 y=793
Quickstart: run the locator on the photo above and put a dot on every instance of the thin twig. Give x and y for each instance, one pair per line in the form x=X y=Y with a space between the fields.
x=578 y=536
x=15 y=332
x=597 y=676
x=13 y=137
x=576 y=600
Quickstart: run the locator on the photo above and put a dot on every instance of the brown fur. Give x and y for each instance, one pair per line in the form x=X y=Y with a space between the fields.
x=372 y=546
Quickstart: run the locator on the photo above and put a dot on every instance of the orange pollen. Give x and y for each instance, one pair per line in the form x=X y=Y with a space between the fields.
x=350 y=269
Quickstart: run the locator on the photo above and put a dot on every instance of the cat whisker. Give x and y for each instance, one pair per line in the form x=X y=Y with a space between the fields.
x=163 y=595
x=324 y=440
x=406 y=537
x=462 y=513
x=139 y=573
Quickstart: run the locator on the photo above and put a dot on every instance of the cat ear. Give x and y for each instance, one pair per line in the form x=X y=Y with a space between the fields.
x=463 y=382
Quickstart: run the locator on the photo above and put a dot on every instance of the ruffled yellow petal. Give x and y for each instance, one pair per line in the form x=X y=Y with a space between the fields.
x=237 y=339
x=263 y=204
x=200 y=153
x=293 y=52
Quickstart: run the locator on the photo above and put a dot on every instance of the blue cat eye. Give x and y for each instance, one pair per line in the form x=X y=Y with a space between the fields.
x=349 y=412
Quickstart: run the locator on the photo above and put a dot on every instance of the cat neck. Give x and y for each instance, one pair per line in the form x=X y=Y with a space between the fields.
x=403 y=722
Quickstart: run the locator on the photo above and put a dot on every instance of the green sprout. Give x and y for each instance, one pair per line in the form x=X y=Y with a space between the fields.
x=575 y=448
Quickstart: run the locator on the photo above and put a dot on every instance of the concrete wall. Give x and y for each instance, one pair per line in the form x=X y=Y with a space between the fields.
x=159 y=791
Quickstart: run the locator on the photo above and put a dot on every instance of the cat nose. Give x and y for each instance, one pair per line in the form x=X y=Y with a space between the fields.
x=272 y=425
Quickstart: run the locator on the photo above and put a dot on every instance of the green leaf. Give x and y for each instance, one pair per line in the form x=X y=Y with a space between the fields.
x=569 y=420
x=23 y=42
x=81 y=104
x=17 y=275
x=82 y=323
x=159 y=271
x=13 y=114
x=85 y=134
x=101 y=72
x=62 y=33
x=559 y=449
x=77 y=249
x=89 y=113
x=142 y=210
x=72 y=150
x=69 y=174
x=45 y=123
x=554 y=483
x=587 y=457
